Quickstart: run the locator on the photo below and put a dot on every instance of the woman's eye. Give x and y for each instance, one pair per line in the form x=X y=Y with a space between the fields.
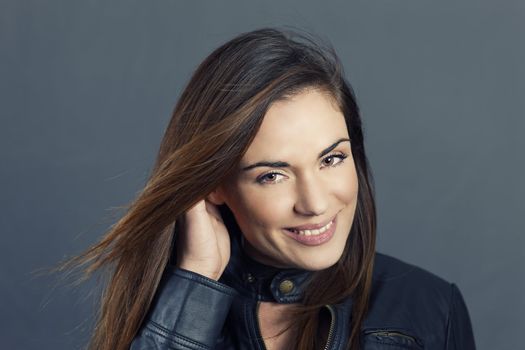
x=331 y=157
x=271 y=178
x=268 y=178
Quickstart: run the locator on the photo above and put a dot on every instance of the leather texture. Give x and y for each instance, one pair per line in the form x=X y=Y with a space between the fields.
x=410 y=308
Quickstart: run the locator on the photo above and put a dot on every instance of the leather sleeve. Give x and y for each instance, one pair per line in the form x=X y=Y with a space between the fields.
x=188 y=312
x=459 y=329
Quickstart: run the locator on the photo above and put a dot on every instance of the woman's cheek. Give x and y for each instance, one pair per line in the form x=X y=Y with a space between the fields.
x=346 y=186
x=347 y=191
x=267 y=206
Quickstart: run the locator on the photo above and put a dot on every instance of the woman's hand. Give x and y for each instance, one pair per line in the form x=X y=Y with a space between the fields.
x=203 y=243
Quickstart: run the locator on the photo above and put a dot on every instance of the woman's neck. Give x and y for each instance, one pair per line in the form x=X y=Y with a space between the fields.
x=273 y=318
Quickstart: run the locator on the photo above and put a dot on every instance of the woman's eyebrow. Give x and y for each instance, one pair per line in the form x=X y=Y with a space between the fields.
x=280 y=164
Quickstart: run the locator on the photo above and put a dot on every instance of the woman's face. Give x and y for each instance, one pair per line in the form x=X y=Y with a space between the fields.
x=312 y=181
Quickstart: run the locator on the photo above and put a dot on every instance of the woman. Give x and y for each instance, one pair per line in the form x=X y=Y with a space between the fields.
x=257 y=226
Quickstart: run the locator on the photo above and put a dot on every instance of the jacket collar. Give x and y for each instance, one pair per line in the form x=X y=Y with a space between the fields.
x=262 y=282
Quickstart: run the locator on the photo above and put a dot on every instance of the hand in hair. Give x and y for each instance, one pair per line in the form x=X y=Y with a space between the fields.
x=203 y=244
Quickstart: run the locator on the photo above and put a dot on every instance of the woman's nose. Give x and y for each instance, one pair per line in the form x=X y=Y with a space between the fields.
x=312 y=196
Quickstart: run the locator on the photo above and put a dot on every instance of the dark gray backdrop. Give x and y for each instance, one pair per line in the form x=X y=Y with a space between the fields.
x=87 y=88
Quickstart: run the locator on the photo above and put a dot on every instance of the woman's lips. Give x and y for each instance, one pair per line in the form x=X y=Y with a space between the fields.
x=313 y=240
x=311 y=227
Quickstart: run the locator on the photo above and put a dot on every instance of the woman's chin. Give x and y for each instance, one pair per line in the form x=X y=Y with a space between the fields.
x=317 y=263
x=313 y=260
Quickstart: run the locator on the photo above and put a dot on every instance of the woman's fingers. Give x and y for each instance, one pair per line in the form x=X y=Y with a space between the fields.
x=205 y=243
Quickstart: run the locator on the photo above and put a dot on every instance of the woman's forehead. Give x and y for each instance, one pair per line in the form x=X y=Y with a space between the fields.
x=307 y=120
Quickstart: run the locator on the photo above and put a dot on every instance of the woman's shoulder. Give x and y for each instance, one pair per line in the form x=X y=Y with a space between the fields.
x=396 y=279
x=389 y=269
x=411 y=300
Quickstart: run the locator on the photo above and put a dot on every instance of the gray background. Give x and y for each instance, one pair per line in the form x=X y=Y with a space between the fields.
x=87 y=88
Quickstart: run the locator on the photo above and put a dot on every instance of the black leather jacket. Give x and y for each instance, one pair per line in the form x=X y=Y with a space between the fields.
x=410 y=308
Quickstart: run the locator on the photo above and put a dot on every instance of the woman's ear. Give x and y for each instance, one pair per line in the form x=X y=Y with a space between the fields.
x=216 y=197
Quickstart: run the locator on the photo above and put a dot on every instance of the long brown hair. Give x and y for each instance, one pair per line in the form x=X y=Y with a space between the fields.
x=214 y=121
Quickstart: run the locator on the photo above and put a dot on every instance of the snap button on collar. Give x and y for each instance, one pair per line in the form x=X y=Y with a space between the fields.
x=286 y=286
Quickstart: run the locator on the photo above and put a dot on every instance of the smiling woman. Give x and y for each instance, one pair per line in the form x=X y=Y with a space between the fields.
x=256 y=229
x=296 y=211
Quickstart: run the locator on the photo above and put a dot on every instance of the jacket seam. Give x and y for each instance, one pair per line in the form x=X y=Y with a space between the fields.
x=170 y=342
x=207 y=282
x=405 y=346
x=174 y=337
x=449 y=336
x=251 y=323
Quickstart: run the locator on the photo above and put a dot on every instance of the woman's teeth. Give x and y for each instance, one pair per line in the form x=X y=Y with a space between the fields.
x=313 y=232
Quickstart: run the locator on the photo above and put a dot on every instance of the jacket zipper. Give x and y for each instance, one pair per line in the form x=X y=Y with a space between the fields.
x=330 y=331
x=332 y=325
x=258 y=330
x=387 y=333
